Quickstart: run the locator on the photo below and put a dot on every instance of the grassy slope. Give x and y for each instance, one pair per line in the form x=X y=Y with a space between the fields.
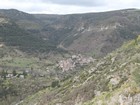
x=122 y=64
x=14 y=59
x=128 y=64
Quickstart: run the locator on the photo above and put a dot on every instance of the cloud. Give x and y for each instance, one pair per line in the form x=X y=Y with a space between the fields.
x=68 y=6
x=66 y=2
x=77 y=2
x=49 y=6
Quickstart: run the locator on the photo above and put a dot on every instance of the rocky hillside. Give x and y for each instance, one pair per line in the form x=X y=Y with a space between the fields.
x=94 y=34
x=112 y=80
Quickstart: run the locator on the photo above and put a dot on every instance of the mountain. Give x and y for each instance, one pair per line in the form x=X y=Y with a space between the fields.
x=94 y=34
x=14 y=35
x=21 y=18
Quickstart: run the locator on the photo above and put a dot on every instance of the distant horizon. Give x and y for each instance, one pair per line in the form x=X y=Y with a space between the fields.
x=72 y=13
x=87 y=12
x=63 y=7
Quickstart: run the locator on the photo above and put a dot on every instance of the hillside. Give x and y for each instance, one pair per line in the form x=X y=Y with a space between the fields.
x=13 y=35
x=112 y=80
x=24 y=61
x=94 y=34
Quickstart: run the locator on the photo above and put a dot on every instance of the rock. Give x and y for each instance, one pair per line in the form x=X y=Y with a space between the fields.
x=113 y=59
x=136 y=99
x=99 y=64
x=97 y=93
x=124 y=100
x=1 y=45
x=115 y=80
x=3 y=20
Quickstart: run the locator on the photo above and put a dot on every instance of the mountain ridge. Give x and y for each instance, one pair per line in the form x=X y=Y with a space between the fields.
x=94 y=34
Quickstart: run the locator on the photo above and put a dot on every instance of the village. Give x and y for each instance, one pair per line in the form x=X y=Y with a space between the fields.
x=74 y=61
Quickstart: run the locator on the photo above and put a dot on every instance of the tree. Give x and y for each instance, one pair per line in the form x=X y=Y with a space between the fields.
x=14 y=73
x=4 y=74
x=55 y=84
x=24 y=73
x=136 y=41
x=7 y=88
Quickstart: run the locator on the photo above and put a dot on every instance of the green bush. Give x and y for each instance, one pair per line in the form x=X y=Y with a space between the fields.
x=136 y=76
x=55 y=84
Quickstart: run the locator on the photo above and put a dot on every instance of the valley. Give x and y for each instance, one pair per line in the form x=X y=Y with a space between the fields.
x=75 y=59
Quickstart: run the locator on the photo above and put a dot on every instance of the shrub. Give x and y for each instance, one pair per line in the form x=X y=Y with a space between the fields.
x=55 y=84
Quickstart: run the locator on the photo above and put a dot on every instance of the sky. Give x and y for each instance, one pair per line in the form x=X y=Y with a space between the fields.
x=68 y=6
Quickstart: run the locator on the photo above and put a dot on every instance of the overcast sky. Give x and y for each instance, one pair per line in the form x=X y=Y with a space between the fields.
x=68 y=6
